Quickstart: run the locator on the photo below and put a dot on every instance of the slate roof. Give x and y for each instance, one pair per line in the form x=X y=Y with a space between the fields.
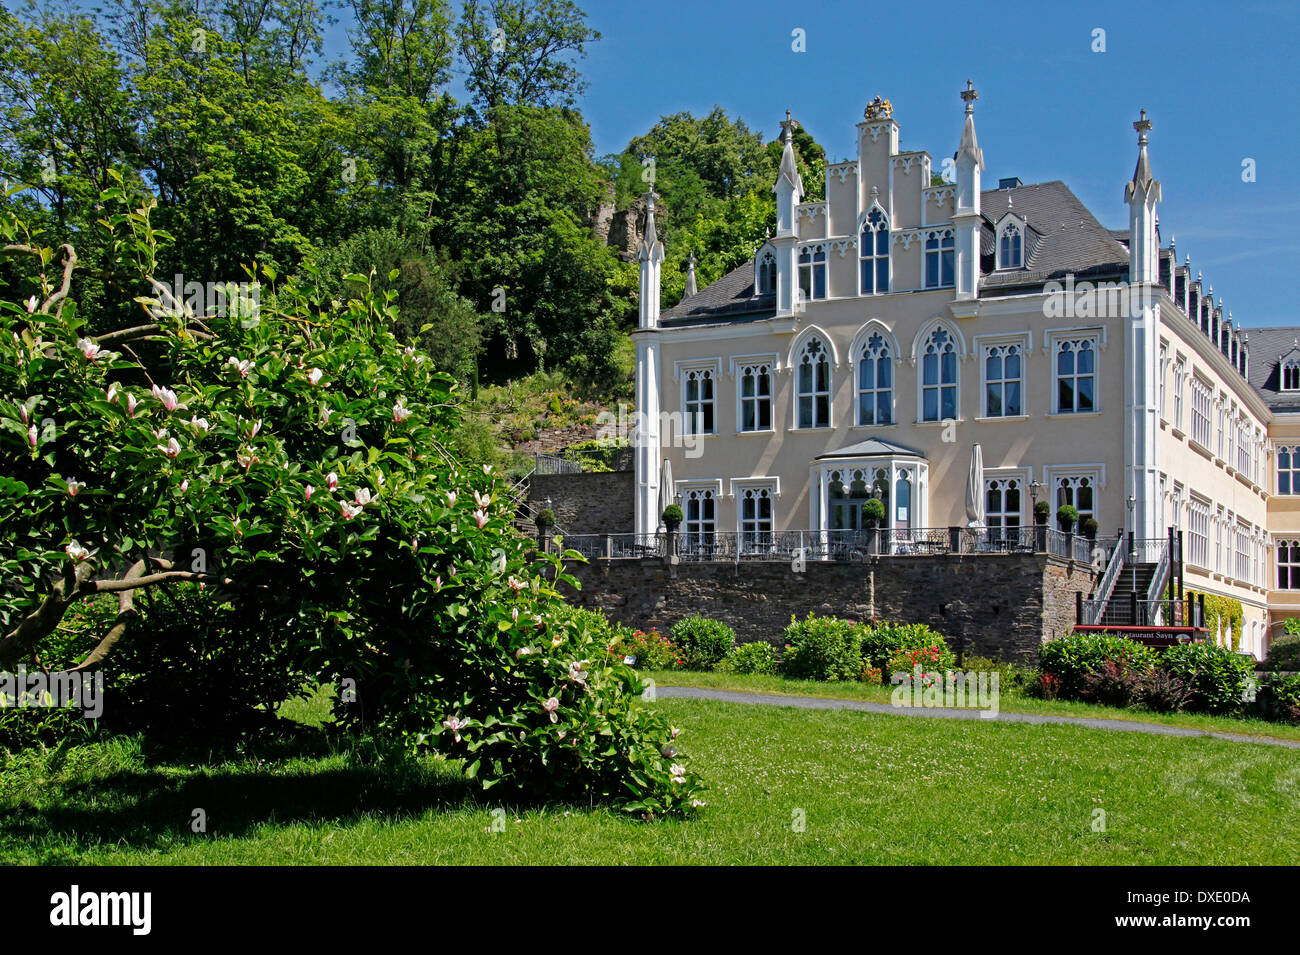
x=872 y=447
x=1063 y=237
x=1267 y=346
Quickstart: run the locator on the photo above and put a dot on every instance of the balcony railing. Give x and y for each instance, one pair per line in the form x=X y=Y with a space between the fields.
x=840 y=545
x=1126 y=610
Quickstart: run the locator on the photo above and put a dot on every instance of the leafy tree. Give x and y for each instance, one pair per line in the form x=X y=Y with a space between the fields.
x=520 y=52
x=293 y=459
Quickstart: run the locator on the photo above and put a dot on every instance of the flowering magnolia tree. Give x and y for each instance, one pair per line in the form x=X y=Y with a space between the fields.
x=286 y=455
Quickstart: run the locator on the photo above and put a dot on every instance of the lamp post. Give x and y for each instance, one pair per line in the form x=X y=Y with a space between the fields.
x=1132 y=541
x=1035 y=490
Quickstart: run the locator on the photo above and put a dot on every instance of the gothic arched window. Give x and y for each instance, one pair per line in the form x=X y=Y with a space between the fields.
x=939 y=377
x=873 y=253
x=813 y=386
x=875 y=382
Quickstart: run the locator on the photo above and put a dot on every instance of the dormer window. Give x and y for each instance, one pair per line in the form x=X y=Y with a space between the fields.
x=1291 y=374
x=873 y=252
x=1011 y=246
x=766 y=276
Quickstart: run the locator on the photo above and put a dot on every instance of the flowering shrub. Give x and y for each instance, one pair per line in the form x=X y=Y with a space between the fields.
x=651 y=649
x=757 y=657
x=1285 y=693
x=292 y=460
x=703 y=642
x=882 y=642
x=933 y=660
x=822 y=648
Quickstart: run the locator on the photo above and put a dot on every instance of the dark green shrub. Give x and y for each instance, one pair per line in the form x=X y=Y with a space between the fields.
x=757 y=657
x=672 y=516
x=883 y=642
x=1284 y=652
x=1069 y=659
x=873 y=512
x=1042 y=510
x=822 y=648
x=1286 y=695
x=1218 y=677
x=545 y=518
x=1088 y=528
x=703 y=642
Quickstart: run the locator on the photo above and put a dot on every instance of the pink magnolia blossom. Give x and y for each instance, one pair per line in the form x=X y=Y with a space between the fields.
x=310 y=491
x=482 y=500
x=243 y=367
x=111 y=394
x=172 y=449
x=130 y=404
x=516 y=584
x=200 y=424
x=576 y=672
x=362 y=497
x=167 y=397
x=678 y=773
x=32 y=303
x=480 y=518
x=523 y=652
x=88 y=348
x=350 y=511
x=325 y=414
x=31 y=436
x=550 y=706
x=77 y=552
x=455 y=725
x=332 y=481
x=314 y=376
x=451 y=498
x=74 y=487
x=185 y=485
x=22 y=413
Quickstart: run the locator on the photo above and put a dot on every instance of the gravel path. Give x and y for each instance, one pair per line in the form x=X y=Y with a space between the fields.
x=821 y=703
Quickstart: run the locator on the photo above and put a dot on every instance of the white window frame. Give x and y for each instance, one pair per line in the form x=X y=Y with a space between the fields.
x=1202 y=407
x=923 y=343
x=767 y=252
x=1009 y=222
x=796 y=364
x=813 y=249
x=1180 y=372
x=1021 y=477
x=770 y=487
x=941 y=236
x=986 y=343
x=1289 y=374
x=682 y=371
x=864 y=225
x=685 y=489
x=1055 y=342
x=739 y=364
x=1292 y=469
x=855 y=363
x=1198 y=531
x=1058 y=474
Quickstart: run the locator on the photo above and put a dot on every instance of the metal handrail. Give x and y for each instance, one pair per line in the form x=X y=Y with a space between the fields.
x=1106 y=586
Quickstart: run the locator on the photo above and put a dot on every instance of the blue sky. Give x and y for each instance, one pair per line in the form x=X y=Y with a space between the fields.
x=1220 y=83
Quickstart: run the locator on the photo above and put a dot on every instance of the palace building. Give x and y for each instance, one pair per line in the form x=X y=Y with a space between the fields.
x=882 y=334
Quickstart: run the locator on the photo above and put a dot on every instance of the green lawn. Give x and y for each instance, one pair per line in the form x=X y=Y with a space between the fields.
x=868 y=789
x=1008 y=702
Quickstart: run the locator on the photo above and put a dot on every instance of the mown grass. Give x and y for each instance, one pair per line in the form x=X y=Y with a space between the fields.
x=787 y=787
x=1008 y=702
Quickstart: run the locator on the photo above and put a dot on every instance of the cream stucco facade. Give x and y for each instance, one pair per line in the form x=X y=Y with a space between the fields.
x=881 y=334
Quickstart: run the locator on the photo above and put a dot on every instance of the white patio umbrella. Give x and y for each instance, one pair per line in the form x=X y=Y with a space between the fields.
x=975 y=488
x=666 y=486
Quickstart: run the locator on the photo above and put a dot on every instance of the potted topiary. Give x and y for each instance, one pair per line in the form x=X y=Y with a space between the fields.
x=1088 y=528
x=545 y=519
x=672 y=518
x=1067 y=516
x=1042 y=510
x=873 y=515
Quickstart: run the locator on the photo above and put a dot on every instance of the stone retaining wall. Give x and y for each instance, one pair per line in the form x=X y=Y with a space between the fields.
x=588 y=503
x=1001 y=606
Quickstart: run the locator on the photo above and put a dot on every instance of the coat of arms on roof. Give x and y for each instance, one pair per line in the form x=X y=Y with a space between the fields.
x=879 y=109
